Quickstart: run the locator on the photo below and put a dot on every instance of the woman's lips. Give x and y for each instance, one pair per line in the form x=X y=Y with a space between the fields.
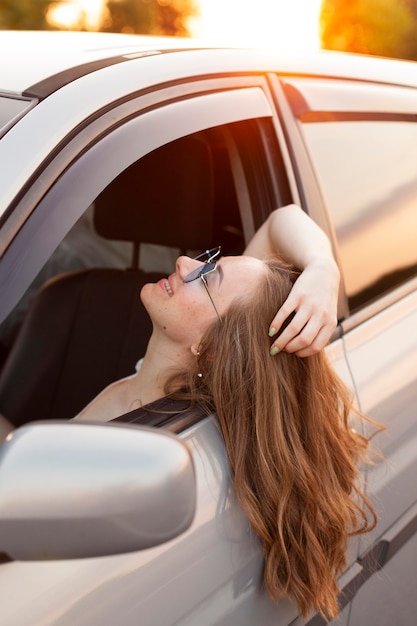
x=165 y=284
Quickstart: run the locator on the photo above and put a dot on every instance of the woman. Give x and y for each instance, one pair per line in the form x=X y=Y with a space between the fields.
x=290 y=231
x=284 y=420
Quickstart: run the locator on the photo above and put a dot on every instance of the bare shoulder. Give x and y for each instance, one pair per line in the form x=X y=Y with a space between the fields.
x=109 y=403
x=6 y=427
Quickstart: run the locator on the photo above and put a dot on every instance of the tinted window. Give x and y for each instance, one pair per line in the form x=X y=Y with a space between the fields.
x=368 y=173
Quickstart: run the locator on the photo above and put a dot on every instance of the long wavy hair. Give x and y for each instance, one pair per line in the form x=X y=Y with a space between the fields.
x=286 y=425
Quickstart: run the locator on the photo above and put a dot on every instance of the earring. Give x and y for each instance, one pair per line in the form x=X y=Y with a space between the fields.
x=199 y=375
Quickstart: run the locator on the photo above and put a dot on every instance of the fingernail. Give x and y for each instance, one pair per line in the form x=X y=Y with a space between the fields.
x=273 y=351
x=272 y=331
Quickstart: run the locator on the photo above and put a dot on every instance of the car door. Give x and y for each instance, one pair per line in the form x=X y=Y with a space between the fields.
x=212 y=572
x=362 y=140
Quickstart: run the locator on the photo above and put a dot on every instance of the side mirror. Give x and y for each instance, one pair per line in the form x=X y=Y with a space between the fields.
x=74 y=490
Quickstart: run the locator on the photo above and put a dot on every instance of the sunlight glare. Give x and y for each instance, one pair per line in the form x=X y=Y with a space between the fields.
x=279 y=24
x=75 y=13
x=66 y=14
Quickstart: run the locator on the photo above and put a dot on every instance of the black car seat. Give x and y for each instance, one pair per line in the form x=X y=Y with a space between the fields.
x=87 y=328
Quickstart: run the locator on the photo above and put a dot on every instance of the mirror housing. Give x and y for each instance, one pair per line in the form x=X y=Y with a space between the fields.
x=75 y=490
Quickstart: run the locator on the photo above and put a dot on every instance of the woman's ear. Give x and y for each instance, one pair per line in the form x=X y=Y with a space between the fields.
x=195 y=349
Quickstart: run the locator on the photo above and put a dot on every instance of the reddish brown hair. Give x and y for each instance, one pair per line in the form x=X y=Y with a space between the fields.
x=286 y=426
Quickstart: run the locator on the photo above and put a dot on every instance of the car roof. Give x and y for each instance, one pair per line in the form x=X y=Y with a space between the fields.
x=54 y=58
x=34 y=56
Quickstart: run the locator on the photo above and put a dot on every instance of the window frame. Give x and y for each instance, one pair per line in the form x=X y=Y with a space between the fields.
x=305 y=100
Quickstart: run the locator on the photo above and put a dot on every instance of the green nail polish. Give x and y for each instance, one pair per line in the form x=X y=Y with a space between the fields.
x=273 y=351
x=272 y=332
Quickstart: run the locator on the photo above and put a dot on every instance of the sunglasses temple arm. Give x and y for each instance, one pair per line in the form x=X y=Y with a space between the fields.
x=208 y=293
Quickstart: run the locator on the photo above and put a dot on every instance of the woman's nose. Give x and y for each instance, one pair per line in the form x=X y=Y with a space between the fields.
x=185 y=265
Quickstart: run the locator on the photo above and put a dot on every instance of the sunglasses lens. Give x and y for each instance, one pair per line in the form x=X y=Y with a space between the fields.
x=199 y=271
x=193 y=275
x=207 y=268
x=208 y=255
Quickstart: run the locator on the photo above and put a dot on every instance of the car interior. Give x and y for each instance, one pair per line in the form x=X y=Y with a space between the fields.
x=87 y=328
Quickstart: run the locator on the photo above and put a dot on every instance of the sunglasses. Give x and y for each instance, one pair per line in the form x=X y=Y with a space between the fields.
x=208 y=258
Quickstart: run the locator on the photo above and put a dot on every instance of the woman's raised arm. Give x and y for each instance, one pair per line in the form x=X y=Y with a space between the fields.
x=289 y=231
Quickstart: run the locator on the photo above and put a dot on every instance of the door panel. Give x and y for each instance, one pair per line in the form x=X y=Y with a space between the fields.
x=390 y=597
x=382 y=353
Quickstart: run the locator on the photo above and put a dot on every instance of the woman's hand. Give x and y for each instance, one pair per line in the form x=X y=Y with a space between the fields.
x=313 y=301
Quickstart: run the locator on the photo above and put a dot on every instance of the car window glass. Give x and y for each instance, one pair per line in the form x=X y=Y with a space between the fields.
x=368 y=173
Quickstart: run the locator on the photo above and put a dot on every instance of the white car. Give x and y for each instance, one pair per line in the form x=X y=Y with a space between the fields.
x=116 y=153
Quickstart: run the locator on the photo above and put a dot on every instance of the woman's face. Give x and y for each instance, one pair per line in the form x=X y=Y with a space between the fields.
x=183 y=311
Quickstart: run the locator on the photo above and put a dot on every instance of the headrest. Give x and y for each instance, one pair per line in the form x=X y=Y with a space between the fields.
x=165 y=198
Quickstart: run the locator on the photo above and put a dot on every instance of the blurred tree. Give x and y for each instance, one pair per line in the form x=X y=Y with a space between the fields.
x=152 y=17
x=23 y=14
x=378 y=27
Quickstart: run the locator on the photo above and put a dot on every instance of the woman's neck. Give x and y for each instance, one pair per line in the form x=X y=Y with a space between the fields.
x=160 y=362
